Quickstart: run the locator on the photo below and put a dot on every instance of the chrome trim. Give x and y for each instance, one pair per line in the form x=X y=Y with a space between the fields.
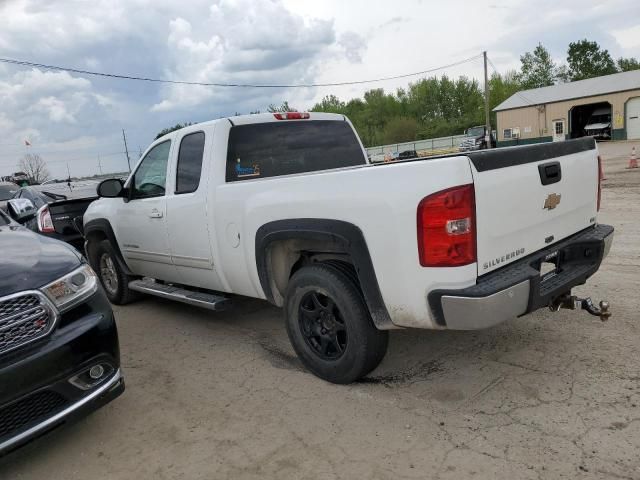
x=192 y=262
x=59 y=416
x=46 y=304
x=179 y=295
x=473 y=313
x=31 y=312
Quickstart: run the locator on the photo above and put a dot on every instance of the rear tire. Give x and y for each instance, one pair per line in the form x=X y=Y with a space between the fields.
x=112 y=277
x=329 y=325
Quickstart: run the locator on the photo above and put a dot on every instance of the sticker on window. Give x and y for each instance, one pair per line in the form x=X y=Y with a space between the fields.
x=246 y=172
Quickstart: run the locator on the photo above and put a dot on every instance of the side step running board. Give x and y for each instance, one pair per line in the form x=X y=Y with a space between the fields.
x=205 y=300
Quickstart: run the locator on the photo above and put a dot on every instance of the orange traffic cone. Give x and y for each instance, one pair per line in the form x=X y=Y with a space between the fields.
x=633 y=162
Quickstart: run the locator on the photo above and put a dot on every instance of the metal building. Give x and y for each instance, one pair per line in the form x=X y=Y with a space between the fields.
x=607 y=107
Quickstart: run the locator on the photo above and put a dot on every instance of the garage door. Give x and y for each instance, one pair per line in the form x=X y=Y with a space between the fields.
x=633 y=119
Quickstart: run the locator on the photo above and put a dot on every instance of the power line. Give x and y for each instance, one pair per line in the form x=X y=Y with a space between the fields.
x=240 y=85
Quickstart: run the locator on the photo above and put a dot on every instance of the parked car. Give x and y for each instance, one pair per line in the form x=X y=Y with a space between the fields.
x=476 y=139
x=286 y=207
x=7 y=191
x=599 y=124
x=59 y=354
x=51 y=214
x=406 y=154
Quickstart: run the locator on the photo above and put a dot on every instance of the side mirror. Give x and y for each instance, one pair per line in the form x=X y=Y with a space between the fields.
x=21 y=209
x=110 y=188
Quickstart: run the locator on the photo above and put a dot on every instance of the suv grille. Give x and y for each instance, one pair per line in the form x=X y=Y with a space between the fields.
x=29 y=411
x=23 y=318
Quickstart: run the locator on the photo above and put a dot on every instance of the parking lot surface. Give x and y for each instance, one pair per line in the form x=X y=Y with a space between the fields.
x=221 y=395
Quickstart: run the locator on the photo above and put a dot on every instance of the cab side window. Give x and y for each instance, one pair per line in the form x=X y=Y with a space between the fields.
x=190 y=163
x=150 y=178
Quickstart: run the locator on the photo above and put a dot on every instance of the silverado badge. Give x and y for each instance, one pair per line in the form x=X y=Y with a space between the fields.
x=552 y=201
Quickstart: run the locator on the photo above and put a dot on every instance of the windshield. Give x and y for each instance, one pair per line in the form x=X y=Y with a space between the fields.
x=600 y=118
x=475 y=132
x=7 y=191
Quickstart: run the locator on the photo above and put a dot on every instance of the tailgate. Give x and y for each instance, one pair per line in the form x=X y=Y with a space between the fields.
x=530 y=197
x=66 y=214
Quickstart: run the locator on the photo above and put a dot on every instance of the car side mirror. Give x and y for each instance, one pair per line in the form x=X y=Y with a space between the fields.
x=111 y=188
x=21 y=209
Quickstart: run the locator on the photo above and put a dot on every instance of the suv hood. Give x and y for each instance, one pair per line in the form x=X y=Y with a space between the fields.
x=597 y=126
x=30 y=261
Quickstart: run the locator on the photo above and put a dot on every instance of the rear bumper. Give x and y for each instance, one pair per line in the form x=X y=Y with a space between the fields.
x=519 y=288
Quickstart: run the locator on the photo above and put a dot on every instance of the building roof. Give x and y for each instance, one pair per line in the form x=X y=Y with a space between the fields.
x=618 y=82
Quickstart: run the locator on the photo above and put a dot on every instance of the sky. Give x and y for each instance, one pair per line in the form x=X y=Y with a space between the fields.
x=75 y=121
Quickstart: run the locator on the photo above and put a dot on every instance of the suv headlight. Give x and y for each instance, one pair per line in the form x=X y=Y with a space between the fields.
x=72 y=289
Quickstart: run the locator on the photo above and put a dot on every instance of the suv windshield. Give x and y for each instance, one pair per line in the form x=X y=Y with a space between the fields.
x=475 y=132
x=7 y=191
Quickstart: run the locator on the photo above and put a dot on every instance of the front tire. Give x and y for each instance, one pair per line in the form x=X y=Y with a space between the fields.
x=329 y=325
x=113 y=279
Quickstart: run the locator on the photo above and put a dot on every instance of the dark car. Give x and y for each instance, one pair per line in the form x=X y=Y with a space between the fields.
x=7 y=191
x=476 y=139
x=59 y=353
x=50 y=213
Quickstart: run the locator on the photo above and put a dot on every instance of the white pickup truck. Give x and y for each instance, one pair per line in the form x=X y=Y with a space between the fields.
x=286 y=207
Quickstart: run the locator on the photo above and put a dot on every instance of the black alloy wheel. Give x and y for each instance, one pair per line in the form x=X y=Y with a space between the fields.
x=322 y=325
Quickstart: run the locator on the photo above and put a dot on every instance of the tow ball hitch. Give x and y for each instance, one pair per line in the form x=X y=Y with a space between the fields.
x=572 y=302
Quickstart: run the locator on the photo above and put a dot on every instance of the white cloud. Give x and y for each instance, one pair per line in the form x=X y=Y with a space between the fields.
x=628 y=37
x=249 y=41
x=56 y=109
x=241 y=41
x=354 y=46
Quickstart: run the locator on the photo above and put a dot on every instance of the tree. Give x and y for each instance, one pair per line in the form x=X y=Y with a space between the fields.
x=538 y=69
x=35 y=168
x=628 y=64
x=400 y=129
x=587 y=60
x=329 y=104
x=502 y=87
x=177 y=126
x=284 y=107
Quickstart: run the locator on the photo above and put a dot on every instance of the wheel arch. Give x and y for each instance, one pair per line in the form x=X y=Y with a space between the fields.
x=282 y=246
x=100 y=229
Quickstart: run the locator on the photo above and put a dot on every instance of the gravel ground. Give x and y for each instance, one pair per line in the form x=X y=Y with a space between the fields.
x=222 y=396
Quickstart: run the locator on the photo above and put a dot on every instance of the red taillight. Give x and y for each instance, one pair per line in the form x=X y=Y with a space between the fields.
x=45 y=223
x=291 y=116
x=600 y=177
x=447 y=228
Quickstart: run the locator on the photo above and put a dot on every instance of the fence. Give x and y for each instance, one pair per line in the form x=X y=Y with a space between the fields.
x=442 y=143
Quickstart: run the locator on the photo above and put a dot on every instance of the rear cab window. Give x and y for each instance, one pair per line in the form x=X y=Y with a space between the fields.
x=273 y=149
x=190 y=162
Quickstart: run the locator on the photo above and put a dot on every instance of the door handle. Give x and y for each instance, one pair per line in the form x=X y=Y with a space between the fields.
x=155 y=214
x=550 y=173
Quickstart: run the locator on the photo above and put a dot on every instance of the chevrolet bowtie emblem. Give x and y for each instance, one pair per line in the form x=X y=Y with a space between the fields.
x=552 y=201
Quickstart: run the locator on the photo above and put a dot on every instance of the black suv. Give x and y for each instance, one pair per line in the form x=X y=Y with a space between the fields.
x=59 y=353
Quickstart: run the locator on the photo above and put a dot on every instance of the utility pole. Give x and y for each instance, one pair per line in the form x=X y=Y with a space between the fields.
x=99 y=165
x=126 y=150
x=487 y=136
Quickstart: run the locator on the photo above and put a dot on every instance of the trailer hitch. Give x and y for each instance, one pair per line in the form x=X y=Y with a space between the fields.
x=572 y=302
